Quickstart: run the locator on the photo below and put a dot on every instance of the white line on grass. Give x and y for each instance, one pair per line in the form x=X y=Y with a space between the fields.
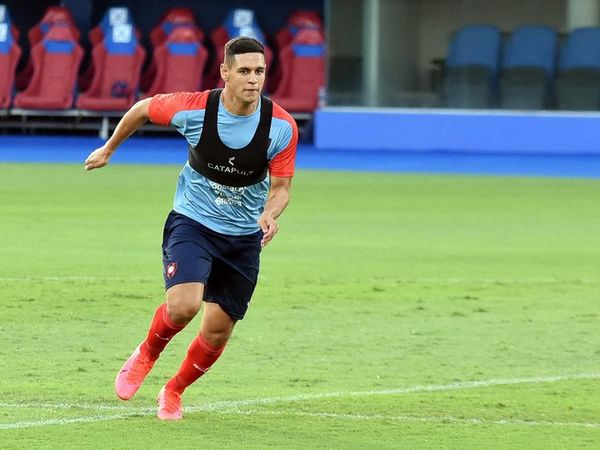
x=225 y=406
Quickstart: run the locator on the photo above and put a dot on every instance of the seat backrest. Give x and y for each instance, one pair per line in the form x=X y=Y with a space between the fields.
x=55 y=15
x=475 y=45
x=180 y=63
x=581 y=49
x=118 y=60
x=242 y=22
x=171 y=21
x=179 y=14
x=9 y=56
x=303 y=66
x=534 y=46
x=239 y=22
x=56 y=62
x=300 y=20
x=111 y=18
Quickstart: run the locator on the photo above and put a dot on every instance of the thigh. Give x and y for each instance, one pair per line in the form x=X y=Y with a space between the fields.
x=185 y=253
x=230 y=289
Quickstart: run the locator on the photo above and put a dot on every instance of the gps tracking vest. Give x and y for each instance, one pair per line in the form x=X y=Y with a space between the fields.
x=231 y=167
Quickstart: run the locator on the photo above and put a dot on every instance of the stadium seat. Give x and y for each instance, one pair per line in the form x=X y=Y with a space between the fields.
x=179 y=63
x=174 y=18
x=578 y=81
x=118 y=59
x=303 y=72
x=112 y=17
x=56 y=60
x=54 y=15
x=529 y=68
x=472 y=67
x=10 y=53
x=298 y=20
x=239 y=22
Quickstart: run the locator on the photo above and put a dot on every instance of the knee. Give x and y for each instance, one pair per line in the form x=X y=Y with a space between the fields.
x=216 y=338
x=182 y=310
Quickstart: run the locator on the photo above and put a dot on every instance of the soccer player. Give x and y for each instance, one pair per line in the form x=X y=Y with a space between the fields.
x=234 y=186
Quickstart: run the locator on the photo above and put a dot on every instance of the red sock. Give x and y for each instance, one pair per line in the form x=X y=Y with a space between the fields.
x=161 y=331
x=200 y=356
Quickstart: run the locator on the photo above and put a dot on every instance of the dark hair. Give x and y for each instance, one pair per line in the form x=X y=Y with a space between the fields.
x=241 y=45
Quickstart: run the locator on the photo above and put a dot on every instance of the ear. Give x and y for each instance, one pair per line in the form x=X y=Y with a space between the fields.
x=224 y=72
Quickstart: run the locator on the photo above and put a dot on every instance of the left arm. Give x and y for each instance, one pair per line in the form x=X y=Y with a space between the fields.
x=278 y=199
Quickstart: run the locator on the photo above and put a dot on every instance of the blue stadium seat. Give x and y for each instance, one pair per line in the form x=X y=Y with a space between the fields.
x=472 y=67
x=578 y=82
x=529 y=67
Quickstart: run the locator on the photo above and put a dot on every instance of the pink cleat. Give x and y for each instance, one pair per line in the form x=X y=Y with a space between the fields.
x=132 y=374
x=169 y=405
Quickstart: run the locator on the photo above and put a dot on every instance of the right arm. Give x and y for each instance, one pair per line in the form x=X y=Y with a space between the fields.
x=129 y=124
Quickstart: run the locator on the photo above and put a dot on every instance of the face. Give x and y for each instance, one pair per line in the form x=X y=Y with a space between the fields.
x=246 y=76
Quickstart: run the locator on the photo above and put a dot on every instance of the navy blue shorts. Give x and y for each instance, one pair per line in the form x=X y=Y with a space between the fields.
x=226 y=265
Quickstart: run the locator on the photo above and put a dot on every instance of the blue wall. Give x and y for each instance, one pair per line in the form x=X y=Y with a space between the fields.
x=454 y=130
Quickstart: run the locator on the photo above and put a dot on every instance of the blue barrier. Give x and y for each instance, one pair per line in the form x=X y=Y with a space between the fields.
x=172 y=150
x=545 y=132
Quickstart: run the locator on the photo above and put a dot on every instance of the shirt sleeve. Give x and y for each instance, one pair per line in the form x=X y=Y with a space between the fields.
x=282 y=165
x=164 y=106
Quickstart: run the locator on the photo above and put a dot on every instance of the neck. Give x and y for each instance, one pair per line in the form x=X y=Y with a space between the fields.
x=235 y=106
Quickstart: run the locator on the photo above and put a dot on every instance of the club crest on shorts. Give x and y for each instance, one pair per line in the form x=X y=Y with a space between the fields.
x=171 y=270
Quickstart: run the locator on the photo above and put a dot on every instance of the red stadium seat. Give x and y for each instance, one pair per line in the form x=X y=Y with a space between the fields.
x=174 y=18
x=112 y=17
x=10 y=53
x=303 y=72
x=179 y=63
x=118 y=59
x=239 y=22
x=55 y=15
x=298 y=21
x=56 y=60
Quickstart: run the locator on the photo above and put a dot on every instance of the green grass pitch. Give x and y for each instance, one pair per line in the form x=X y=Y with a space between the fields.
x=393 y=311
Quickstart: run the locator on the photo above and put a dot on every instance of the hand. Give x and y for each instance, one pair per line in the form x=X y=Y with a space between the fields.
x=98 y=158
x=269 y=227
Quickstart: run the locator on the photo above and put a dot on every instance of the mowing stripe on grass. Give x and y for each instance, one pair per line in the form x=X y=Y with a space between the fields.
x=413 y=419
x=399 y=280
x=357 y=417
x=231 y=406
